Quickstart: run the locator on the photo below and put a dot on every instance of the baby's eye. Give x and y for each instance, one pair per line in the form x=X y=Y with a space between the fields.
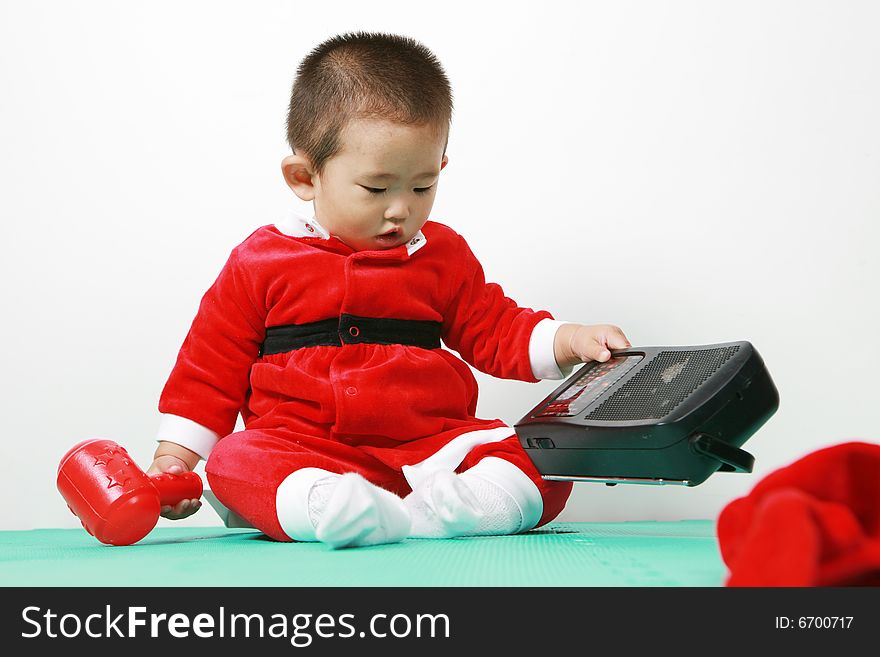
x=374 y=190
x=422 y=190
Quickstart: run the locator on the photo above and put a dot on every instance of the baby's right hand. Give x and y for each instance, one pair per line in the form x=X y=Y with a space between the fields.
x=174 y=465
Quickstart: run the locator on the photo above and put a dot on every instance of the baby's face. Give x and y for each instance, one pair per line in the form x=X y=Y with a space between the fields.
x=383 y=180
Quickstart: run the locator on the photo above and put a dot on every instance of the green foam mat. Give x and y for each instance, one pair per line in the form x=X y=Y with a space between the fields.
x=683 y=553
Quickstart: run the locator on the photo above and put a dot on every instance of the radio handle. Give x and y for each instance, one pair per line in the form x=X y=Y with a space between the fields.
x=733 y=459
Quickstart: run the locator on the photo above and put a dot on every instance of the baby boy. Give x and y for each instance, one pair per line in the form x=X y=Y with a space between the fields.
x=325 y=333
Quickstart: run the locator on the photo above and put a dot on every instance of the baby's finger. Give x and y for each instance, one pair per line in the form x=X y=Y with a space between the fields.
x=596 y=351
x=182 y=509
x=615 y=339
x=192 y=507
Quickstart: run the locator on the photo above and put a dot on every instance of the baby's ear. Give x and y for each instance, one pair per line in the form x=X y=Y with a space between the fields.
x=297 y=172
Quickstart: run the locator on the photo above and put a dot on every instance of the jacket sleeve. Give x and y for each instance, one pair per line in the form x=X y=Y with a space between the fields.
x=211 y=378
x=489 y=330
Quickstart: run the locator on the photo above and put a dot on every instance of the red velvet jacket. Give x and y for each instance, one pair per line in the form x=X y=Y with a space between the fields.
x=386 y=393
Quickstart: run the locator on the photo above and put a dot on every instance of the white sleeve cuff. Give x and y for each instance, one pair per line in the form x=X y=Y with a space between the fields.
x=541 y=352
x=186 y=433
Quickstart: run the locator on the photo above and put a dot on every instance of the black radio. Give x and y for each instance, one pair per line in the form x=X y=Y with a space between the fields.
x=655 y=415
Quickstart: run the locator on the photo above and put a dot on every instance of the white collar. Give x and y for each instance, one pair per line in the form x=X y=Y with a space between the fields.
x=296 y=225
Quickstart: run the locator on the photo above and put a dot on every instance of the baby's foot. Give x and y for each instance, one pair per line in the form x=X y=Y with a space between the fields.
x=442 y=506
x=349 y=511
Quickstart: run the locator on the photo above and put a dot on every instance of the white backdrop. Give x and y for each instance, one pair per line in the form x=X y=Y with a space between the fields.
x=694 y=172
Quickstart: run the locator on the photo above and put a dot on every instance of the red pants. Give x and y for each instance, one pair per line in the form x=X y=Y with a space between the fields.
x=245 y=469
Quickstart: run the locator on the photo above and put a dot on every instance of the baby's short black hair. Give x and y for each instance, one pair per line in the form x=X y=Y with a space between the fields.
x=364 y=75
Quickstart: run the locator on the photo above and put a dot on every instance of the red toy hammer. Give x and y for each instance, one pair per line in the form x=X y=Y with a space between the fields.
x=114 y=499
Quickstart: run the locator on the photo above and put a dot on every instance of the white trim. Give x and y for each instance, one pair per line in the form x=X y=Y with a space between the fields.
x=417 y=242
x=292 y=502
x=515 y=482
x=186 y=433
x=450 y=456
x=296 y=225
x=542 y=353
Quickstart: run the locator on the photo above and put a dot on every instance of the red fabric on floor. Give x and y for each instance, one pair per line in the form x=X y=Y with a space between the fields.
x=815 y=522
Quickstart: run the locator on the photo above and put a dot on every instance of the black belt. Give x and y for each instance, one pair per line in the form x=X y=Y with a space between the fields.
x=350 y=329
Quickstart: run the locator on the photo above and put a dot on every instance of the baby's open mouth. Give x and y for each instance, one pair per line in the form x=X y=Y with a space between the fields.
x=391 y=237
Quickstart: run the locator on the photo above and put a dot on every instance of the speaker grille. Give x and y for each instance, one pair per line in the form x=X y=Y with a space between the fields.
x=662 y=384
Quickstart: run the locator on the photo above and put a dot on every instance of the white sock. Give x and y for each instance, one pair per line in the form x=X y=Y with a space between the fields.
x=357 y=512
x=339 y=510
x=442 y=506
x=492 y=498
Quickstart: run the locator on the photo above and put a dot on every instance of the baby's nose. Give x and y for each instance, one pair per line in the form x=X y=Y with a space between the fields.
x=398 y=211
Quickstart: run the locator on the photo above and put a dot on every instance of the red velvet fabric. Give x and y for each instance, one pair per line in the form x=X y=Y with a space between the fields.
x=815 y=522
x=368 y=408
x=395 y=392
x=246 y=468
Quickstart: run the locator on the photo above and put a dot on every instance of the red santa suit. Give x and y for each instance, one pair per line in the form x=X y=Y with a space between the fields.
x=392 y=412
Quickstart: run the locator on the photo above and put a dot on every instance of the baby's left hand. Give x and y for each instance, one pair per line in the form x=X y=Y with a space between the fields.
x=578 y=343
